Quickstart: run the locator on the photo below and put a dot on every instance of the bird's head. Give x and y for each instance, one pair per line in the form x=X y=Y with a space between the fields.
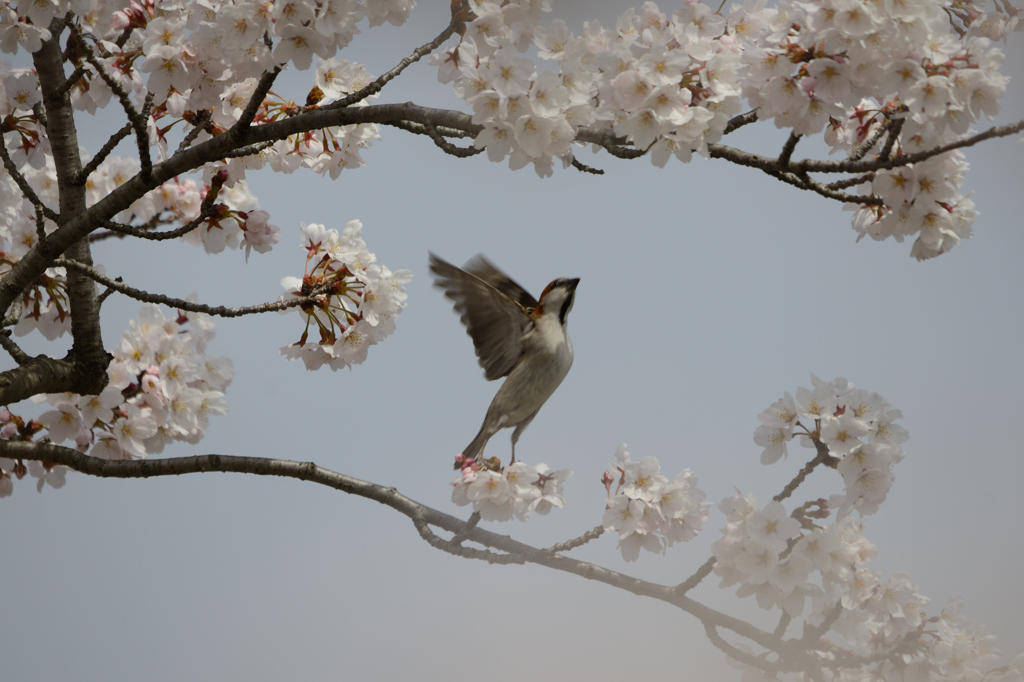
x=557 y=298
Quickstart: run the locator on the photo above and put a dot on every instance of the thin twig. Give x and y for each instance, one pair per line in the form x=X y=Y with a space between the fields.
x=851 y=182
x=105 y=295
x=471 y=523
x=814 y=634
x=703 y=572
x=788 y=149
x=260 y=92
x=201 y=119
x=739 y=121
x=709 y=565
x=142 y=138
x=457 y=548
x=13 y=315
x=378 y=84
x=821 y=458
x=863 y=148
x=102 y=154
x=23 y=185
x=120 y=230
x=180 y=303
x=580 y=166
x=886 y=164
x=894 y=135
x=420 y=129
x=739 y=655
x=72 y=79
x=13 y=349
x=137 y=122
x=40 y=223
x=766 y=164
x=784 y=622
x=249 y=150
x=448 y=147
x=591 y=534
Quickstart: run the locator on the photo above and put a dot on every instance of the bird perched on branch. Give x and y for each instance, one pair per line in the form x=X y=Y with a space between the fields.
x=515 y=335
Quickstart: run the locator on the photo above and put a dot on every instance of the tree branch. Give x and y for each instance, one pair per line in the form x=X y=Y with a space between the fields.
x=13 y=349
x=739 y=121
x=198 y=125
x=43 y=374
x=787 y=150
x=103 y=153
x=815 y=166
x=78 y=226
x=19 y=179
x=180 y=303
x=417 y=54
x=137 y=120
x=821 y=458
x=709 y=565
x=87 y=355
x=449 y=148
x=421 y=515
x=584 y=168
x=244 y=121
x=591 y=534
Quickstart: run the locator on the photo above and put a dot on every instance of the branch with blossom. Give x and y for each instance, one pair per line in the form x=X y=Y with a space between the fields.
x=860 y=622
x=892 y=89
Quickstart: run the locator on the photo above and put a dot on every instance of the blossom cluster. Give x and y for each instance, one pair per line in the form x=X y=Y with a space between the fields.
x=163 y=387
x=771 y=555
x=649 y=511
x=893 y=78
x=187 y=53
x=196 y=60
x=666 y=84
x=500 y=493
x=774 y=556
x=857 y=427
x=905 y=77
x=356 y=301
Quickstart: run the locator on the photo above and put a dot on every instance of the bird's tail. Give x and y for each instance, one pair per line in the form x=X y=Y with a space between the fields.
x=473 y=450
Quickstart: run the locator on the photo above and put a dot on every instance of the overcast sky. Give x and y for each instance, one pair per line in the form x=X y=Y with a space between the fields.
x=707 y=290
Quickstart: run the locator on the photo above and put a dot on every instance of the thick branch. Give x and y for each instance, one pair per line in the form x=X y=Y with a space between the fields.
x=43 y=374
x=87 y=353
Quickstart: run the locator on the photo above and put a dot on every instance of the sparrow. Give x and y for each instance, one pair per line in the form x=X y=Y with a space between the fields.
x=515 y=335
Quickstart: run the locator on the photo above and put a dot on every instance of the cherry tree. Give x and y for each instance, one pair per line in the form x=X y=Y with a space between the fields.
x=891 y=94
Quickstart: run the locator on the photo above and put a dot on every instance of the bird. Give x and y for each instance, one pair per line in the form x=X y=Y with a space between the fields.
x=516 y=336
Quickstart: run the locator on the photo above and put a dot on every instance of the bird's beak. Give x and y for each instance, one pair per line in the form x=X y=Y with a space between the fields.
x=573 y=283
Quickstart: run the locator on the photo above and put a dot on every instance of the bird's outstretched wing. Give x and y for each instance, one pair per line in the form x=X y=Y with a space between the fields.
x=495 y=310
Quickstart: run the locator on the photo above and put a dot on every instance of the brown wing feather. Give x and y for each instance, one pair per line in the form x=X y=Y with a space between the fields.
x=492 y=311
x=479 y=266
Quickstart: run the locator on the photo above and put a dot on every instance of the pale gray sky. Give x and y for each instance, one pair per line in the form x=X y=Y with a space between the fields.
x=707 y=291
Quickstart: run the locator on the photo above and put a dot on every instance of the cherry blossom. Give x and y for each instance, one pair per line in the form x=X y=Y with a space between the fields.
x=647 y=510
x=501 y=493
